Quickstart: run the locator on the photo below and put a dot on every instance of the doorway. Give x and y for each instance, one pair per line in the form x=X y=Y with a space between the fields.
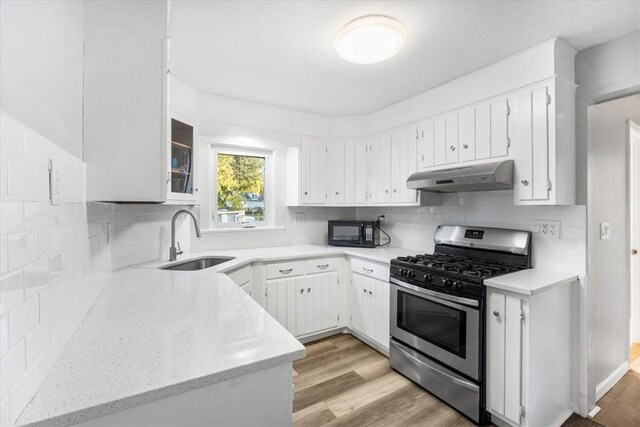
x=634 y=229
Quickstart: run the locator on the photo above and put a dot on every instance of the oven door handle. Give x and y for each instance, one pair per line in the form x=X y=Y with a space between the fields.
x=465 y=384
x=438 y=295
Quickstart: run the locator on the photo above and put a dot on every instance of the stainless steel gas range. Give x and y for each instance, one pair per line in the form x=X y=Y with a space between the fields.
x=437 y=321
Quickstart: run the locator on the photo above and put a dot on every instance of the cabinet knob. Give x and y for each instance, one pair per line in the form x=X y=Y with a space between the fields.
x=365 y=291
x=634 y=251
x=395 y=190
x=337 y=192
x=370 y=293
x=308 y=290
x=301 y=291
x=496 y=313
x=465 y=146
x=306 y=192
x=525 y=182
x=452 y=148
x=386 y=191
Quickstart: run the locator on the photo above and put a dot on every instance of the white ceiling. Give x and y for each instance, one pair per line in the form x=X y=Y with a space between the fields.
x=281 y=52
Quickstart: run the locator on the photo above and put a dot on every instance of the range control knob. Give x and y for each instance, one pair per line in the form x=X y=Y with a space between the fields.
x=448 y=283
x=412 y=274
x=460 y=286
x=403 y=272
x=428 y=278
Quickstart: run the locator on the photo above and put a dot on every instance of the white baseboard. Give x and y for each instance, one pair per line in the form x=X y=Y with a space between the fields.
x=594 y=412
x=611 y=380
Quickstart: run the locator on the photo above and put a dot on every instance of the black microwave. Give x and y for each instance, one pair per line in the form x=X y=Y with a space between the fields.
x=363 y=234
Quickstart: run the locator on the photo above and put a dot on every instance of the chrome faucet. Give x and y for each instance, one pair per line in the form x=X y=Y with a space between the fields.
x=173 y=251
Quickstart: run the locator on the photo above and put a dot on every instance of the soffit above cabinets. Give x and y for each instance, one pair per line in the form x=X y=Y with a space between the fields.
x=281 y=53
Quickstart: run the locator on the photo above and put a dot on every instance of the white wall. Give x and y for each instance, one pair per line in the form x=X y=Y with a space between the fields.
x=605 y=71
x=609 y=289
x=41 y=49
x=54 y=260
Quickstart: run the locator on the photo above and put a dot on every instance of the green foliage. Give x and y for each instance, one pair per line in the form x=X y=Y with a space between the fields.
x=238 y=175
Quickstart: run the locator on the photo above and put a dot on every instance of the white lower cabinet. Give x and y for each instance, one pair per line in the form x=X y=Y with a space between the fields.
x=370 y=308
x=529 y=347
x=304 y=304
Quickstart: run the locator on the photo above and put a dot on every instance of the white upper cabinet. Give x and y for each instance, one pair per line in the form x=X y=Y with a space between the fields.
x=544 y=141
x=425 y=141
x=126 y=122
x=467 y=134
x=336 y=172
x=451 y=138
x=403 y=164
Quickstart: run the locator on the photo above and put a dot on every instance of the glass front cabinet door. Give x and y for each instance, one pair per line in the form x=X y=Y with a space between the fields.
x=181 y=162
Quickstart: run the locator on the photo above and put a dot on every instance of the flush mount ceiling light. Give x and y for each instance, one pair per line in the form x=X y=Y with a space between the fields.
x=370 y=39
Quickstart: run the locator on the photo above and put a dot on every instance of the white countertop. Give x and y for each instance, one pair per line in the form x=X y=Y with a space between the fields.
x=156 y=333
x=530 y=281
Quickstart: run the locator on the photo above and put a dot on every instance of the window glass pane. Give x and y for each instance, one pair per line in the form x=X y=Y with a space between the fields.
x=240 y=188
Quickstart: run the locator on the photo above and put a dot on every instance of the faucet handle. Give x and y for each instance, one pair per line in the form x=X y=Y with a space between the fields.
x=179 y=251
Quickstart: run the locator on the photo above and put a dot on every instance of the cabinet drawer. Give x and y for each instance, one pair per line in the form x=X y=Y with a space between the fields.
x=323 y=265
x=241 y=276
x=285 y=269
x=372 y=269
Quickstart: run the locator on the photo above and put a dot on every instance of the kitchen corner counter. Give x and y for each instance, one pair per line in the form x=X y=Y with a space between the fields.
x=152 y=334
x=530 y=281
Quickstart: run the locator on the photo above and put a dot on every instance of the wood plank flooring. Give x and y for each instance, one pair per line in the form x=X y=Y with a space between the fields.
x=344 y=382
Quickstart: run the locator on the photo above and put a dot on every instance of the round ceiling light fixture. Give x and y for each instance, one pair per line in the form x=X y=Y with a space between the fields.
x=370 y=39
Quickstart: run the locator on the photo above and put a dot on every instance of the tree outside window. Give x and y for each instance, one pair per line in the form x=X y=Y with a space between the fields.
x=240 y=188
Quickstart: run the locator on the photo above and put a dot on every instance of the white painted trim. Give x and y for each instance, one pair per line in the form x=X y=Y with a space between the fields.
x=613 y=378
x=594 y=412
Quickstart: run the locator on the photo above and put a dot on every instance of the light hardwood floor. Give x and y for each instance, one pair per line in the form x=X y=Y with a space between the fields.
x=344 y=382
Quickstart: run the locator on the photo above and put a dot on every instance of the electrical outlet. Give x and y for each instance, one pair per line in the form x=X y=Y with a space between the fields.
x=547 y=228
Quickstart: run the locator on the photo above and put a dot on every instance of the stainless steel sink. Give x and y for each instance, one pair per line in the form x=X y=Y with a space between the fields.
x=197 y=263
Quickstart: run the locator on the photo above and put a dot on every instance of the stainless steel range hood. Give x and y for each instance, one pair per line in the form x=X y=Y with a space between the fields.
x=481 y=177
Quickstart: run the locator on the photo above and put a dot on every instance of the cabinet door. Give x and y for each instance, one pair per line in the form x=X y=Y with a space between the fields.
x=451 y=138
x=305 y=306
x=356 y=301
x=426 y=143
x=483 y=131
x=247 y=288
x=336 y=172
x=383 y=162
x=499 y=128
x=309 y=173
x=533 y=145
x=281 y=302
x=360 y=171
x=327 y=291
x=496 y=351
x=467 y=134
x=439 y=141
x=540 y=142
x=381 y=296
x=324 y=182
x=512 y=358
x=408 y=167
x=350 y=171
x=369 y=315
x=397 y=142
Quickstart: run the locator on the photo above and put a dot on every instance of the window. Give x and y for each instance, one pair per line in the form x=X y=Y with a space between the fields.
x=240 y=188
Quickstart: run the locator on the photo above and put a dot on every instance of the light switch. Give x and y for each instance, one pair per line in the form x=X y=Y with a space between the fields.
x=605 y=231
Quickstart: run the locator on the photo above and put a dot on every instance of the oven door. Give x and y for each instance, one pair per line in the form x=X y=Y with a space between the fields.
x=442 y=326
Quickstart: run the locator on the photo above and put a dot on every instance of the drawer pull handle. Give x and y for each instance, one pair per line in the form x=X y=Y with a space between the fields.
x=368 y=270
x=496 y=313
x=323 y=266
x=286 y=271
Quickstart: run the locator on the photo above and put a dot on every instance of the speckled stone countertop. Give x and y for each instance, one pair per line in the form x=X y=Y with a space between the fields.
x=530 y=281
x=156 y=333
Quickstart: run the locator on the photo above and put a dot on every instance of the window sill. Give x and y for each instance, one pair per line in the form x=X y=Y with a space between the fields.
x=241 y=230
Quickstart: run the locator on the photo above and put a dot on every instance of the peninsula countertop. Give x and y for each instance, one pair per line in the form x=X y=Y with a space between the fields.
x=156 y=333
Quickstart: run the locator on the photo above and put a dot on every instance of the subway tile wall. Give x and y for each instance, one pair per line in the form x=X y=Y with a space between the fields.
x=53 y=260
x=414 y=227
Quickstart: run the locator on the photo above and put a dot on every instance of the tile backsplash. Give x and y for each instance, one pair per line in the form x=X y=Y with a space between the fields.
x=414 y=227
x=53 y=260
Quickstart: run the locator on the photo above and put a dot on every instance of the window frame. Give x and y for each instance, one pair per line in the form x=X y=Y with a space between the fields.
x=268 y=183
